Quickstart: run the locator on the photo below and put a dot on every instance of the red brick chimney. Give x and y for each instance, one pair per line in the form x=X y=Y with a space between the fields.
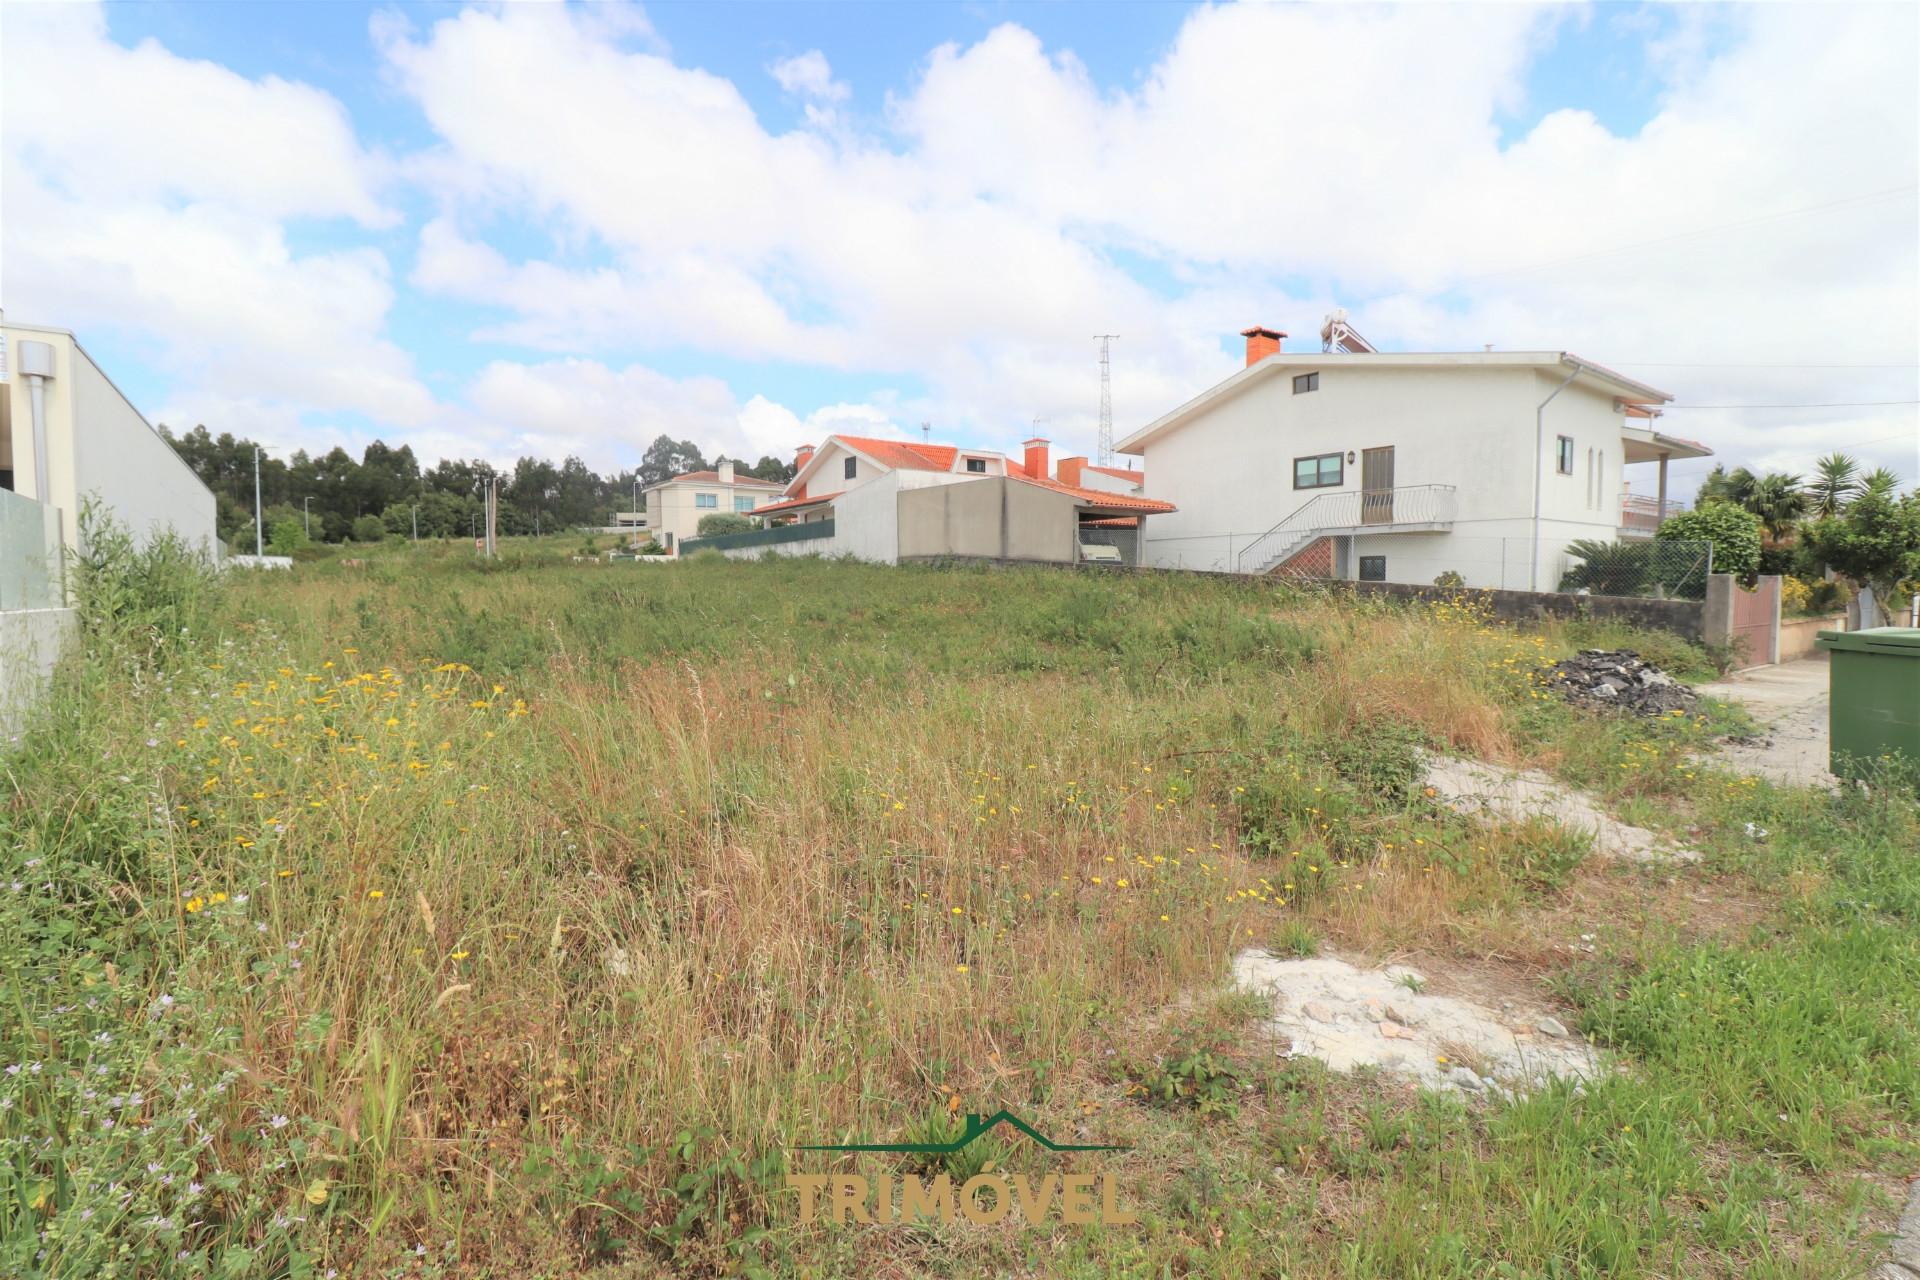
x=801 y=457
x=1261 y=343
x=1070 y=469
x=1035 y=461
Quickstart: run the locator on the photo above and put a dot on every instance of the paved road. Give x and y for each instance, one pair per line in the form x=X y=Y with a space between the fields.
x=1790 y=701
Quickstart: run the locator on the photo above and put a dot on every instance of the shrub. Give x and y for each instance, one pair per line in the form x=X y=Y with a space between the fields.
x=1875 y=541
x=369 y=529
x=1733 y=531
x=286 y=536
x=725 y=522
x=1450 y=579
x=150 y=595
x=1795 y=595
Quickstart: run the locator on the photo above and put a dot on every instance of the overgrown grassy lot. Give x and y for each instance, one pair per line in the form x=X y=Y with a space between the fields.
x=422 y=917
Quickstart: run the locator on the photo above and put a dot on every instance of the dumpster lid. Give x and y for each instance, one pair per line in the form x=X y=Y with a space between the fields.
x=1904 y=641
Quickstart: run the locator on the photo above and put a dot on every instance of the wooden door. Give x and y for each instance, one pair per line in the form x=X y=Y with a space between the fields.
x=1376 y=486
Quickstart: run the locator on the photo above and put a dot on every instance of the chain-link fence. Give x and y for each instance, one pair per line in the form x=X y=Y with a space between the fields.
x=1671 y=570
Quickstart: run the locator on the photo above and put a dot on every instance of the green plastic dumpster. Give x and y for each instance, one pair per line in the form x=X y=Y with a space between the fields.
x=1874 y=707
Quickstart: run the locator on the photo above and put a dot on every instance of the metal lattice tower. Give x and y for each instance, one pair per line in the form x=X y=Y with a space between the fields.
x=1106 y=396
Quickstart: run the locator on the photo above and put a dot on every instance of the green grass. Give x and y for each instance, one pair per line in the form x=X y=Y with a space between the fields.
x=437 y=917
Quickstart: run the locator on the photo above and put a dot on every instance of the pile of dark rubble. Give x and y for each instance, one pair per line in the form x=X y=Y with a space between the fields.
x=1619 y=678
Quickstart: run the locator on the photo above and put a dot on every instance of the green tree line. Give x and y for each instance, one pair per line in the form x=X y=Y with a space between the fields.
x=335 y=497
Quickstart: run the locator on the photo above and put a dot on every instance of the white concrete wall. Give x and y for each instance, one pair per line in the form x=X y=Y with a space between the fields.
x=118 y=457
x=1230 y=471
x=1091 y=479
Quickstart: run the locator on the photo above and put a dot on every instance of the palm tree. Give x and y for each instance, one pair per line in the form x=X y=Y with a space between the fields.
x=1880 y=481
x=1836 y=480
x=1721 y=485
x=1779 y=501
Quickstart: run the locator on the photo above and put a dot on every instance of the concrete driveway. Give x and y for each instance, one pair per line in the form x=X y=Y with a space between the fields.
x=1790 y=702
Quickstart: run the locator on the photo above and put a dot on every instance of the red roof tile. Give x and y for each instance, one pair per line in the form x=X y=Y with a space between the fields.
x=904 y=454
x=1100 y=498
x=713 y=477
x=791 y=503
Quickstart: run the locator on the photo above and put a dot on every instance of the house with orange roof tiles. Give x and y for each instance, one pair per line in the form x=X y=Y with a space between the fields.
x=893 y=500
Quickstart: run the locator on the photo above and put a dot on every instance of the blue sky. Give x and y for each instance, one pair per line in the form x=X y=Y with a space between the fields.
x=562 y=228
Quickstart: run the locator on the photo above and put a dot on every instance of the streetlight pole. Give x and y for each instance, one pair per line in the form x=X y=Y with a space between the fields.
x=416 y=523
x=259 y=538
x=306 y=513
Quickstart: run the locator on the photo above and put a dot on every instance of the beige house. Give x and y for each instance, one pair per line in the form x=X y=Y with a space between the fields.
x=67 y=434
x=894 y=500
x=674 y=507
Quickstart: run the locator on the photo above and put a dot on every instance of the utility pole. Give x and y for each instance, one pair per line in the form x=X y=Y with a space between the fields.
x=306 y=513
x=259 y=538
x=493 y=514
x=416 y=524
x=1106 y=396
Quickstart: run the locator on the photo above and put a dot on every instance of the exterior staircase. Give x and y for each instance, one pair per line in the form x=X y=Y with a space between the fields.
x=1290 y=547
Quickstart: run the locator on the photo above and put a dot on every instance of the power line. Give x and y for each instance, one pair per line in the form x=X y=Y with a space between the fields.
x=1695 y=234
x=1827 y=404
x=1765 y=364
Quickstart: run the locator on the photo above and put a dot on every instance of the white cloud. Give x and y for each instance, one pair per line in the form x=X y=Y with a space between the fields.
x=998 y=221
x=807 y=75
x=147 y=194
x=1273 y=162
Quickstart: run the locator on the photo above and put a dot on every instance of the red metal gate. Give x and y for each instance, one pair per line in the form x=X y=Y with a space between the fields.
x=1756 y=622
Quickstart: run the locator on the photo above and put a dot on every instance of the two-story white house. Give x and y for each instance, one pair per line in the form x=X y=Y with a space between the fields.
x=675 y=506
x=1400 y=467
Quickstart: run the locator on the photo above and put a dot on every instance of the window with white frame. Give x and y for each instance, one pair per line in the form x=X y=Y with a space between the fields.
x=1563 y=455
x=706 y=501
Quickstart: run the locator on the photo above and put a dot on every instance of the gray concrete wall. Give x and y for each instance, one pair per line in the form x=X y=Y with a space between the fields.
x=993 y=518
x=31 y=642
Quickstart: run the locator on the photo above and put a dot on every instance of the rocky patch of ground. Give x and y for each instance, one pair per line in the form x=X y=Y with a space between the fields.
x=1351 y=1017
x=1620 y=679
x=1905 y=1262
x=1471 y=787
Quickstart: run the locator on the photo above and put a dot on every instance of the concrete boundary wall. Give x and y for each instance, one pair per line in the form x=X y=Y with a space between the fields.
x=1683 y=617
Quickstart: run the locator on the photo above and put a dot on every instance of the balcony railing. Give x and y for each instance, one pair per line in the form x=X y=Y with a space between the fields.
x=1419 y=506
x=1641 y=514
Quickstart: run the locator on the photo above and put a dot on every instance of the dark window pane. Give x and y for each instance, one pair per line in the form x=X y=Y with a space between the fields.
x=850 y=466
x=1373 y=568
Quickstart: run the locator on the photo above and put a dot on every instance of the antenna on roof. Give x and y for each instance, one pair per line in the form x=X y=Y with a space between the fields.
x=1336 y=335
x=1106 y=396
x=926 y=432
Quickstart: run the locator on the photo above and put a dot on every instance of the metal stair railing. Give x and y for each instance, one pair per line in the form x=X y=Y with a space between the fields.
x=1349 y=509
